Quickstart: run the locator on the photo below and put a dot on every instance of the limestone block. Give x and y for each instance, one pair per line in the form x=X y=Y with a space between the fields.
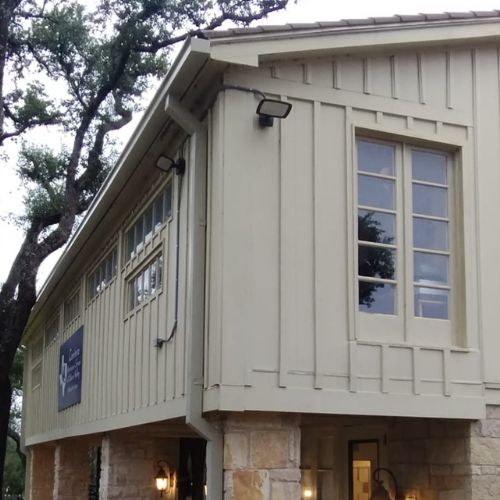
x=269 y=449
x=235 y=450
x=446 y=451
x=250 y=485
x=285 y=491
x=485 y=451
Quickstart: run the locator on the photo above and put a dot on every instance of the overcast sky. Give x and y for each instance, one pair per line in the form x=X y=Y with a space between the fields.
x=300 y=11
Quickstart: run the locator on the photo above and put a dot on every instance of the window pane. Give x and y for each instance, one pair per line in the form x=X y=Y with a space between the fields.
x=375 y=262
x=429 y=167
x=375 y=192
x=139 y=290
x=148 y=223
x=130 y=242
x=158 y=212
x=139 y=235
x=153 y=277
x=430 y=269
x=430 y=200
x=146 y=290
x=159 y=277
x=376 y=226
x=430 y=234
x=376 y=158
x=377 y=298
x=168 y=201
x=132 y=294
x=431 y=303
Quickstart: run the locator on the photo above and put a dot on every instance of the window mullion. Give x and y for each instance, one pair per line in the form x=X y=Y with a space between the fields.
x=407 y=244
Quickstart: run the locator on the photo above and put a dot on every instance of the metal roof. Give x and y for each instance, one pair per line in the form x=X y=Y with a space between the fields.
x=348 y=23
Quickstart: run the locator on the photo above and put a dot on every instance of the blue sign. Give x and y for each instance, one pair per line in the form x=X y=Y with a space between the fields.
x=70 y=370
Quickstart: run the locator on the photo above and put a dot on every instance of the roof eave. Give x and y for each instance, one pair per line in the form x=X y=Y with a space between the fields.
x=191 y=58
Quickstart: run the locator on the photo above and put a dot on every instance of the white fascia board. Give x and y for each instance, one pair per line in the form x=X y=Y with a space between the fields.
x=185 y=67
x=243 y=49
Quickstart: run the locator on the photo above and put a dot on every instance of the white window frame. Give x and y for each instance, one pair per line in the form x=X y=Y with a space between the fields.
x=404 y=326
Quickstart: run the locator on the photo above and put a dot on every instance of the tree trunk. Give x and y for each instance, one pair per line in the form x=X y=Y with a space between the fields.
x=5 y=400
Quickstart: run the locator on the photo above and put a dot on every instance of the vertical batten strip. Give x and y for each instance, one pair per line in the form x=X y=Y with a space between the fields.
x=335 y=74
x=366 y=76
x=275 y=71
x=449 y=83
x=394 y=77
x=307 y=73
x=385 y=368
x=421 y=78
x=416 y=371
x=353 y=377
x=319 y=370
x=283 y=250
x=446 y=372
x=350 y=197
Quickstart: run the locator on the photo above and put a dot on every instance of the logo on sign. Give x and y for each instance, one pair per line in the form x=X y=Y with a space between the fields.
x=70 y=370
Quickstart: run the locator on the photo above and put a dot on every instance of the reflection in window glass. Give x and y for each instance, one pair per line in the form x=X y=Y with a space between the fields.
x=430 y=200
x=146 y=284
x=377 y=227
x=430 y=234
x=375 y=158
x=147 y=224
x=377 y=298
x=376 y=262
x=375 y=192
x=429 y=167
x=102 y=275
x=431 y=269
x=431 y=303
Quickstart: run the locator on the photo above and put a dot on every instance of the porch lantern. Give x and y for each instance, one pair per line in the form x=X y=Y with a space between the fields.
x=164 y=479
x=380 y=492
x=268 y=109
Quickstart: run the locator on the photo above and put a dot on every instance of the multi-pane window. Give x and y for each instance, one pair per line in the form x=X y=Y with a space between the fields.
x=146 y=284
x=36 y=363
x=156 y=213
x=52 y=330
x=102 y=275
x=404 y=230
x=72 y=308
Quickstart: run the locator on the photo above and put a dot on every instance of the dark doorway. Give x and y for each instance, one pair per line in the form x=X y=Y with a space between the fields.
x=191 y=478
x=363 y=460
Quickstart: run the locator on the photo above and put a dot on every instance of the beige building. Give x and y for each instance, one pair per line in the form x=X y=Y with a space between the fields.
x=309 y=300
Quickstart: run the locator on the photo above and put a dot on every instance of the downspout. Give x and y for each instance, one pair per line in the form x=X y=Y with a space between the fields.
x=195 y=304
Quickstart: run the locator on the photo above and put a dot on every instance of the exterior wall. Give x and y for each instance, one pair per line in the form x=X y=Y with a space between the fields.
x=126 y=379
x=282 y=329
x=40 y=473
x=262 y=457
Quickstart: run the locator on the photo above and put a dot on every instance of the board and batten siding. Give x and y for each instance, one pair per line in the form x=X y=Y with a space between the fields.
x=281 y=324
x=126 y=379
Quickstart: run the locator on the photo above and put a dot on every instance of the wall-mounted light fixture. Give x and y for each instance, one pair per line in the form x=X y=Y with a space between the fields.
x=165 y=478
x=307 y=493
x=268 y=109
x=380 y=492
x=165 y=164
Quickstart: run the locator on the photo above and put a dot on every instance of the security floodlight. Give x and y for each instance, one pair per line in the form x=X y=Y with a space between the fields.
x=268 y=109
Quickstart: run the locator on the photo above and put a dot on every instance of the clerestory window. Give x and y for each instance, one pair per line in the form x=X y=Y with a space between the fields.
x=406 y=265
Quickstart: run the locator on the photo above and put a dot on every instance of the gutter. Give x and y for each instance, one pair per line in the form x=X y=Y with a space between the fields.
x=195 y=292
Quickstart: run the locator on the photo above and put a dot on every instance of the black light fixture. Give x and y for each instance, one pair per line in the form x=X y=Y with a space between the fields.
x=165 y=164
x=268 y=109
x=165 y=478
x=380 y=492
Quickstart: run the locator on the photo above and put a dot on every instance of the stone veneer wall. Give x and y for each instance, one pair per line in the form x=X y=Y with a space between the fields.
x=71 y=469
x=129 y=465
x=485 y=456
x=431 y=458
x=261 y=457
x=41 y=473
